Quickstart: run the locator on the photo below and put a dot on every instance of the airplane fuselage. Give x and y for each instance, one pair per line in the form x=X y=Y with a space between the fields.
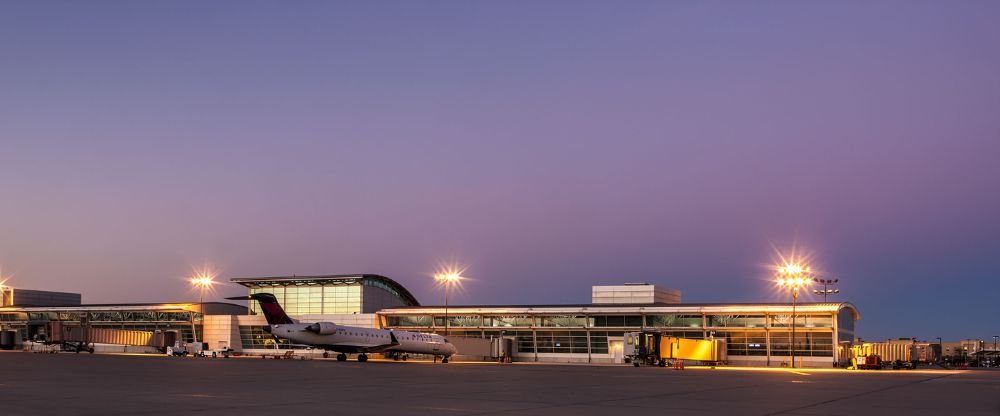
x=347 y=339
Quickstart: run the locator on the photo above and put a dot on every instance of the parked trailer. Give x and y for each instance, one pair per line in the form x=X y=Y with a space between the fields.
x=886 y=351
x=898 y=355
x=657 y=348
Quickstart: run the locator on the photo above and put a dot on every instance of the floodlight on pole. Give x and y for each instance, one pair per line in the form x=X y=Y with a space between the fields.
x=940 y=349
x=826 y=287
x=447 y=279
x=793 y=276
x=3 y=292
x=204 y=281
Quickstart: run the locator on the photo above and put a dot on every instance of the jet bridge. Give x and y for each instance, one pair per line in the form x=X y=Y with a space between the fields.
x=81 y=338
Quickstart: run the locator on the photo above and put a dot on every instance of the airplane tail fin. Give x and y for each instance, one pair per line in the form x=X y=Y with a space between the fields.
x=270 y=307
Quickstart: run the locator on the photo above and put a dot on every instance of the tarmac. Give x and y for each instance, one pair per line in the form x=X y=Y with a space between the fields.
x=105 y=384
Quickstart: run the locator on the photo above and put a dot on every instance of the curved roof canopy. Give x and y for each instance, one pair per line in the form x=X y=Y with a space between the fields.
x=332 y=279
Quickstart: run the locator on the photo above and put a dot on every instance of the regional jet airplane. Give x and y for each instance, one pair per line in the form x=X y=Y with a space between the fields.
x=347 y=339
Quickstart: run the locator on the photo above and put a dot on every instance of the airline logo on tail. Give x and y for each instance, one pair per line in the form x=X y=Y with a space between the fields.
x=270 y=307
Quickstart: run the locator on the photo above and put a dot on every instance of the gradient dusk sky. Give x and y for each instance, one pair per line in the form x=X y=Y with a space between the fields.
x=545 y=145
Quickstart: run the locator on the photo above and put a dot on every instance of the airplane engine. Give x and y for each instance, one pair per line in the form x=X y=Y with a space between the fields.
x=322 y=328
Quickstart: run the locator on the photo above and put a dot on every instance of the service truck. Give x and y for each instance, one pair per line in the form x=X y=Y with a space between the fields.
x=181 y=349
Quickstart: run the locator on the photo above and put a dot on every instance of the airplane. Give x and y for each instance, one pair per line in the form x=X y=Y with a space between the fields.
x=347 y=339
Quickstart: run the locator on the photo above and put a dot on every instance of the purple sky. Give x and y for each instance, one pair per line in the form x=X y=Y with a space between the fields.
x=548 y=146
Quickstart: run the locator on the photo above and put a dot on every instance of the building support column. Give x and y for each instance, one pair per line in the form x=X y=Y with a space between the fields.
x=534 y=343
x=767 y=337
x=588 y=345
x=704 y=326
x=836 y=340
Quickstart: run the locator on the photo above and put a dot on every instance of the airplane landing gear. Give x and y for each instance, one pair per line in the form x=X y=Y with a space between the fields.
x=326 y=354
x=341 y=357
x=444 y=360
x=362 y=358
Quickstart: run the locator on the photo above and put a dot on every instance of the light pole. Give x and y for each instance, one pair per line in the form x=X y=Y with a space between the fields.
x=793 y=276
x=994 y=360
x=204 y=281
x=3 y=293
x=711 y=337
x=940 y=349
x=826 y=290
x=447 y=279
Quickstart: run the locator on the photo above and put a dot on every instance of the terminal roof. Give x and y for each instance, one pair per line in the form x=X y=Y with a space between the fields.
x=632 y=308
x=298 y=280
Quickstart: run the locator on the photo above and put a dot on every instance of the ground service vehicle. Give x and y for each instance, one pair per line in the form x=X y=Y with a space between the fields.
x=870 y=362
x=181 y=349
x=658 y=348
x=221 y=352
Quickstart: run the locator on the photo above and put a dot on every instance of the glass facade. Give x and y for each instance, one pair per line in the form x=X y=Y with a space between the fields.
x=737 y=321
x=409 y=321
x=509 y=321
x=746 y=335
x=330 y=294
x=845 y=326
x=815 y=344
x=616 y=320
x=314 y=299
x=745 y=343
x=561 y=341
x=802 y=321
x=32 y=325
x=254 y=337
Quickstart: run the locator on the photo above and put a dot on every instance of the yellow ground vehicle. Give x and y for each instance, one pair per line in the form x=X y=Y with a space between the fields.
x=658 y=348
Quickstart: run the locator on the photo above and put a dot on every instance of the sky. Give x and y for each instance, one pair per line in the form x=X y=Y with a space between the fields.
x=544 y=147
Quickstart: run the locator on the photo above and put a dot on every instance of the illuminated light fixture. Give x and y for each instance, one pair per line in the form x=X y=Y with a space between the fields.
x=3 y=292
x=793 y=280
x=448 y=278
x=204 y=281
x=826 y=287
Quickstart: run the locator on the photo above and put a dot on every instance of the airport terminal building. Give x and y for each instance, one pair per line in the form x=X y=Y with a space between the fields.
x=755 y=334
